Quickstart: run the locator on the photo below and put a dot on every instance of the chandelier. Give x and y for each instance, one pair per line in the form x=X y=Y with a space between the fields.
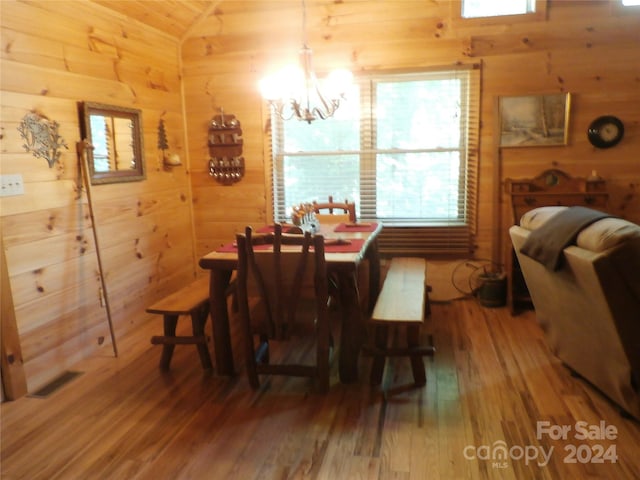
x=297 y=92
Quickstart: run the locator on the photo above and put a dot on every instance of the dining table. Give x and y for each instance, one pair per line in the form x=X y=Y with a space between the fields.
x=347 y=246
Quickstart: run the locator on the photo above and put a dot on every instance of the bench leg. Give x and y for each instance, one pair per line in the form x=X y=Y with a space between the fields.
x=417 y=365
x=198 y=320
x=170 y=322
x=381 y=336
x=427 y=301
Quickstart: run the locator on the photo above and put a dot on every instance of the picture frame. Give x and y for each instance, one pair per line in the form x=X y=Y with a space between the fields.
x=115 y=134
x=534 y=120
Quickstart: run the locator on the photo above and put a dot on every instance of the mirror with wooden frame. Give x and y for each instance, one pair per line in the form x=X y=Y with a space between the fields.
x=115 y=137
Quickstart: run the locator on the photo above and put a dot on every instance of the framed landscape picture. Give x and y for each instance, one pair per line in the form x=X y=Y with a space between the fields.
x=534 y=120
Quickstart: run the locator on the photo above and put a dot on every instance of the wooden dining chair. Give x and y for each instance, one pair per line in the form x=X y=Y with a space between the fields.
x=335 y=212
x=340 y=212
x=275 y=305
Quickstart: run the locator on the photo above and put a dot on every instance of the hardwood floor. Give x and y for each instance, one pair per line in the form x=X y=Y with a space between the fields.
x=491 y=380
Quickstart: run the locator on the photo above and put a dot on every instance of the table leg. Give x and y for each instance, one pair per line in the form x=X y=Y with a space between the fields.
x=373 y=256
x=353 y=332
x=218 y=283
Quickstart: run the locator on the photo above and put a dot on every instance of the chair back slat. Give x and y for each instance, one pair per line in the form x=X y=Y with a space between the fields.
x=337 y=211
x=280 y=277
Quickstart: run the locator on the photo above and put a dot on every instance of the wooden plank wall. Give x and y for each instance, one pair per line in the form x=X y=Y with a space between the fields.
x=55 y=54
x=587 y=48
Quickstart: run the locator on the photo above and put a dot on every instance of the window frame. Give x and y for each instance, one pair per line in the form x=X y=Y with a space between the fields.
x=458 y=20
x=460 y=232
x=619 y=9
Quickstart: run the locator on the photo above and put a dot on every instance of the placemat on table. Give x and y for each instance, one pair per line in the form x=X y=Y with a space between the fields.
x=334 y=245
x=232 y=247
x=356 y=227
x=286 y=228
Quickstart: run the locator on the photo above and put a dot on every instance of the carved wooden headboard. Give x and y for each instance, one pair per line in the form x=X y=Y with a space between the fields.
x=551 y=187
x=555 y=187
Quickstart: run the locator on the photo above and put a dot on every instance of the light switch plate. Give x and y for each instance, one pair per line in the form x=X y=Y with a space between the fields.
x=11 y=185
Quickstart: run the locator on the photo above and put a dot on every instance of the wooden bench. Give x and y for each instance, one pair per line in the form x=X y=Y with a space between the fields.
x=192 y=300
x=403 y=301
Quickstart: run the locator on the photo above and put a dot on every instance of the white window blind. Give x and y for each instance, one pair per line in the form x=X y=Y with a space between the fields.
x=403 y=147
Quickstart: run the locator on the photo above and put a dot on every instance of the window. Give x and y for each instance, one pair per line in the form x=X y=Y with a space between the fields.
x=497 y=12
x=494 y=8
x=625 y=7
x=403 y=147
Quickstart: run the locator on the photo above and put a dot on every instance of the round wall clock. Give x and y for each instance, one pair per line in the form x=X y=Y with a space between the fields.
x=605 y=131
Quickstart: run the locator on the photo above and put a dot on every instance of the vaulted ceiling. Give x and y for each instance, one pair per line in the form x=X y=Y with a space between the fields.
x=186 y=18
x=174 y=17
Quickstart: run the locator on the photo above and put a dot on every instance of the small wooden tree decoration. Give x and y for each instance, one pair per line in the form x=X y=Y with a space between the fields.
x=163 y=144
x=168 y=161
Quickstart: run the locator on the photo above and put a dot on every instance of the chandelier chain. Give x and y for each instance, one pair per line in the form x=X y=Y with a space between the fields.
x=304 y=24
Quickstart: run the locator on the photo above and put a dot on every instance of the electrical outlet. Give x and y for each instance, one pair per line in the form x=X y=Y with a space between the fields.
x=11 y=185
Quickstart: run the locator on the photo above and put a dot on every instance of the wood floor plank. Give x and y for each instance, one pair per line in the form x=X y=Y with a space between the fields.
x=490 y=384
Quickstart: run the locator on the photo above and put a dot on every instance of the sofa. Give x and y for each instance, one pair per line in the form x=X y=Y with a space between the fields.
x=588 y=303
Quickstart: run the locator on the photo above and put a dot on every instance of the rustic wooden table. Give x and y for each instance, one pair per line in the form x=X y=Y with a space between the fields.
x=341 y=260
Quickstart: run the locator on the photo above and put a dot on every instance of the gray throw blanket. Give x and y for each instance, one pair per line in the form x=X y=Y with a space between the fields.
x=545 y=244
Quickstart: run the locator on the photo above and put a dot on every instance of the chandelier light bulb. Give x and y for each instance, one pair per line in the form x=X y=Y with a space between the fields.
x=338 y=82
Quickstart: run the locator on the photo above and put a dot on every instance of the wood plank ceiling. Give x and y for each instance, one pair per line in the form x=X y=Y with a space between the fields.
x=174 y=17
x=182 y=19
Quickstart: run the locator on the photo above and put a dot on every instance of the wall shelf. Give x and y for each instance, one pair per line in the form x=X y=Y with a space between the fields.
x=226 y=163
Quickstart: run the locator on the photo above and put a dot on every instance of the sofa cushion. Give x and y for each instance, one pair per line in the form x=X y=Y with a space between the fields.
x=533 y=219
x=601 y=235
x=607 y=233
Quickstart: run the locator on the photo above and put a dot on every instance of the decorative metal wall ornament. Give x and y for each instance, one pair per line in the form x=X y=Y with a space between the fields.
x=41 y=137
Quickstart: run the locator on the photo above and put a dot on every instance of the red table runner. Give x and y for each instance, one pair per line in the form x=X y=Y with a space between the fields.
x=286 y=228
x=332 y=245
x=233 y=247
